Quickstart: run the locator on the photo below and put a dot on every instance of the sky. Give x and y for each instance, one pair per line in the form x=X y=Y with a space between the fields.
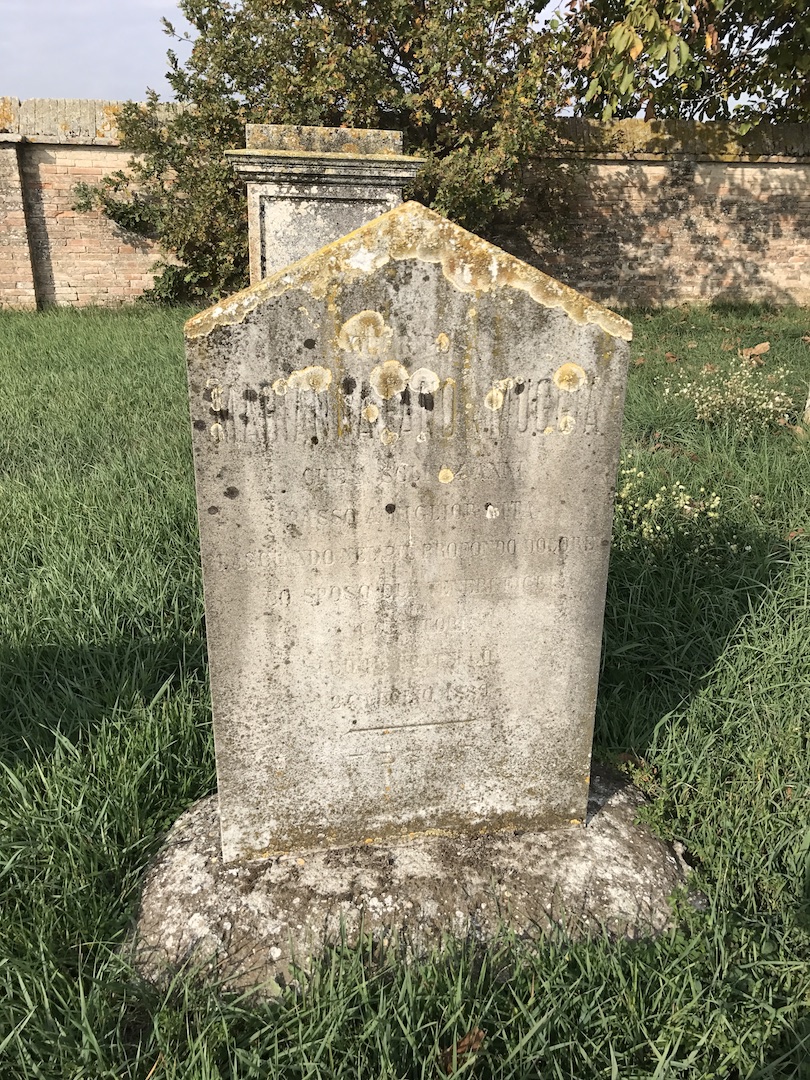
x=107 y=49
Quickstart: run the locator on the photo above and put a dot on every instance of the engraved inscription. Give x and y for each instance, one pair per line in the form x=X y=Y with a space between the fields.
x=393 y=401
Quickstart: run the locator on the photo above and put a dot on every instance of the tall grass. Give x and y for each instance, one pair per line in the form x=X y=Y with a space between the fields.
x=105 y=739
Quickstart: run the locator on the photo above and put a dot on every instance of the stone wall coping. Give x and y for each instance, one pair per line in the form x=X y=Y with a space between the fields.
x=344 y=140
x=57 y=140
x=316 y=156
x=689 y=140
x=328 y=169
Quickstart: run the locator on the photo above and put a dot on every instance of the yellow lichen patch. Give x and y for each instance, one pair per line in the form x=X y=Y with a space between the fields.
x=442 y=343
x=371 y=413
x=216 y=432
x=492 y=512
x=280 y=387
x=548 y=431
x=411 y=231
x=389 y=378
x=8 y=114
x=424 y=381
x=365 y=333
x=495 y=397
x=387 y=437
x=446 y=476
x=111 y=113
x=315 y=378
x=567 y=424
x=569 y=377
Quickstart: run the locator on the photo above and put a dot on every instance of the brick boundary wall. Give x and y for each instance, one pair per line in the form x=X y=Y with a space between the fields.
x=661 y=212
x=668 y=212
x=49 y=253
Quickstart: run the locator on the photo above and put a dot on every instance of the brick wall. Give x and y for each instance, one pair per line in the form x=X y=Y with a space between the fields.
x=666 y=213
x=46 y=147
x=16 y=274
x=660 y=213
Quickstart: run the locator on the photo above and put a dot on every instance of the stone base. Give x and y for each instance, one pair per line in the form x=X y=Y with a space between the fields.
x=245 y=924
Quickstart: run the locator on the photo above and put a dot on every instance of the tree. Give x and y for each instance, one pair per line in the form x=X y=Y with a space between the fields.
x=745 y=60
x=476 y=85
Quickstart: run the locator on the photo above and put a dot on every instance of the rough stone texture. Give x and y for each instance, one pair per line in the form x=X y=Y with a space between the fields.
x=9 y=115
x=405 y=449
x=322 y=139
x=69 y=119
x=16 y=275
x=246 y=923
x=308 y=186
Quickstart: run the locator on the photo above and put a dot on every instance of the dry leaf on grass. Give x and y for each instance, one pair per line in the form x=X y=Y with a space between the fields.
x=470 y=1043
x=806 y=339
x=671 y=358
x=727 y=345
x=755 y=353
x=691 y=344
x=639 y=360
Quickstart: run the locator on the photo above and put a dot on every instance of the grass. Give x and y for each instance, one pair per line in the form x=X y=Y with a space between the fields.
x=105 y=739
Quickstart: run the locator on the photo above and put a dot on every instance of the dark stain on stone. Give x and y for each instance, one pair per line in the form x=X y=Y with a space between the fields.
x=200 y=425
x=243 y=416
x=405 y=396
x=221 y=414
x=250 y=394
x=390 y=508
x=213 y=509
x=231 y=492
x=349 y=385
x=364 y=392
x=206 y=395
x=520 y=386
x=426 y=401
x=314 y=440
x=309 y=343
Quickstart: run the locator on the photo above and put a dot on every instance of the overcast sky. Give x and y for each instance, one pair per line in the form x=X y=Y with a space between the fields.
x=109 y=49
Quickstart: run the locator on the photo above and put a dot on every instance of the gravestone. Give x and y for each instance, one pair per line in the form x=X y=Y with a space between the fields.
x=405 y=449
x=308 y=186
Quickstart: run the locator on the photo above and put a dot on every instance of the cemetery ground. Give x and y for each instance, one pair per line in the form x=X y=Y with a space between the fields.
x=703 y=701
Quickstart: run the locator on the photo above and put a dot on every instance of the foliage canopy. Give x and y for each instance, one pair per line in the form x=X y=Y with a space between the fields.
x=476 y=86
x=744 y=60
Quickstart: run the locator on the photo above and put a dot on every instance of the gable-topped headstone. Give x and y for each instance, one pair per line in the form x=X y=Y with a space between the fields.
x=405 y=450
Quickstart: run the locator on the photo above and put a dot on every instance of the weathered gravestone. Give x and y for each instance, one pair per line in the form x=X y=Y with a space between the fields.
x=405 y=450
x=405 y=447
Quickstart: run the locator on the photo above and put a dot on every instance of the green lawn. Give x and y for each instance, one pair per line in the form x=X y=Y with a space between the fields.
x=105 y=736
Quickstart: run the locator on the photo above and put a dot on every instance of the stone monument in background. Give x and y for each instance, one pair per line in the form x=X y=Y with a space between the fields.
x=308 y=186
